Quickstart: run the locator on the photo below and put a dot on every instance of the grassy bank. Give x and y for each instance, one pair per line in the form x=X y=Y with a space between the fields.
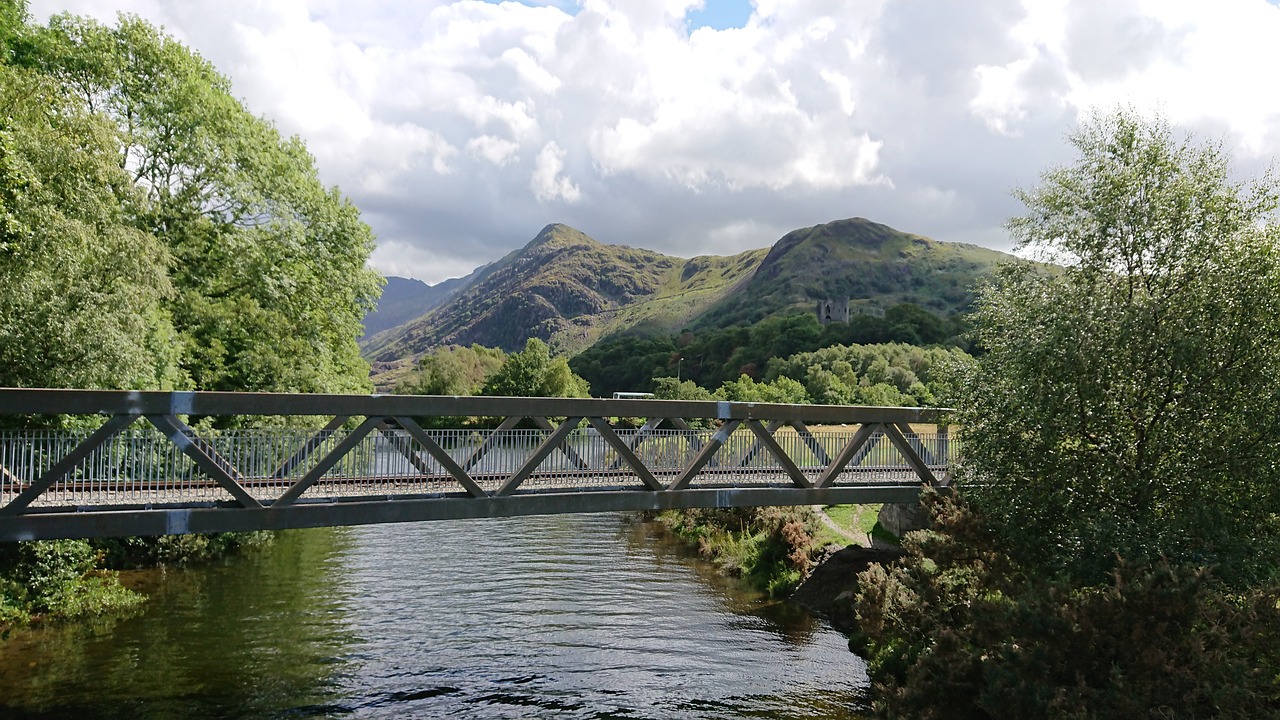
x=772 y=548
x=53 y=580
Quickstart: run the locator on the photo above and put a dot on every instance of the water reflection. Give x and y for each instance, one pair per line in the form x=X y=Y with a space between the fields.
x=571 y=616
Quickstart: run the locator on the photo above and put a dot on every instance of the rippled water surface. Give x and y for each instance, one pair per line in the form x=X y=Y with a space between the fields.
x=571 y=616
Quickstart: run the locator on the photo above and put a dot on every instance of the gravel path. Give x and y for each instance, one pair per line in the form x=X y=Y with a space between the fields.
x=855 y=538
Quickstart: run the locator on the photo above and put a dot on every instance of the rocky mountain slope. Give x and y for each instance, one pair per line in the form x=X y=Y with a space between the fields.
x=571 y=290
x=404 y=299
x=568 y=289
x=872 y=265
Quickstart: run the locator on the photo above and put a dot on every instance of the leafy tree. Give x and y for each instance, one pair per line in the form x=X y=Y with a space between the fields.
x=912 y=324
x=627 y=363
x=13 y=25
x=1127 y=405
x=957 y=629
x=669 y=388
x=533 y=373
x=890 y=374
x=83 y=304
x=154 y=234
x=453 y=371
x=268 y=264
x=782 y=390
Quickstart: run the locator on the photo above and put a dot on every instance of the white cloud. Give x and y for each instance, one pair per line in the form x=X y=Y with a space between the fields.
x=494 y=149
x=1001 y=99
x=548 y=181
x=457 y=126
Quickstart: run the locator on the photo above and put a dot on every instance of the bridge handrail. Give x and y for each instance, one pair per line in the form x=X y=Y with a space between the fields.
x=23 y=401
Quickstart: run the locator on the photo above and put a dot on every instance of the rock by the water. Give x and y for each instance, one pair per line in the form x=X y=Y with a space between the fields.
x=829 y=589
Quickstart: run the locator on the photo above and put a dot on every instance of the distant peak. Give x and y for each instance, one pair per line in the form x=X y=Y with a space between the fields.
x=559 y=235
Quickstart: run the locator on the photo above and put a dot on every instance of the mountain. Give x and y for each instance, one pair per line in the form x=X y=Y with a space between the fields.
x=571 y=290
x=568 y=289
x=404 y=299
x=872 y=265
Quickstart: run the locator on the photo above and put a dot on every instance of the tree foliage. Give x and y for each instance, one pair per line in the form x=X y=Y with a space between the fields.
x=959 y=629
x=532 y=372
x=781 y=390
x=85 y=290
x=155 y=234
x=452 y=370
x=1127 y=405
x=893 y=374
x=714 y=357
x=265 y=266
x=669 y=388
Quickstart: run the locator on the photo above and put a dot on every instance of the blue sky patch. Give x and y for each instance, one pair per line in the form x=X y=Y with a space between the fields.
x=720 y=15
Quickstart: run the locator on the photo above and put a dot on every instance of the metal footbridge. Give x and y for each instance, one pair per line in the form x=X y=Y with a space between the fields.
x=154 y=463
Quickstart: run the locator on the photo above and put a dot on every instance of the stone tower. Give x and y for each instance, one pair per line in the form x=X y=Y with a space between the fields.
x=833 y=310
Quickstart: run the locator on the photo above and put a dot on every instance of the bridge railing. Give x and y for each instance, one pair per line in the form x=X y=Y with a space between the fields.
x=149 y=455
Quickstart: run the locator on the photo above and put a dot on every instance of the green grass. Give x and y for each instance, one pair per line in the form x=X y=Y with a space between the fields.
x=857 y=520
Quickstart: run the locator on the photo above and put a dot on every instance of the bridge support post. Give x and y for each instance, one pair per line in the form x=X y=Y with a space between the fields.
x=902 y=518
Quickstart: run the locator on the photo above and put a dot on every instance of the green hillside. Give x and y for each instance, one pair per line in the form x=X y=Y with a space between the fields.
x=568 y=290
x=873 y=265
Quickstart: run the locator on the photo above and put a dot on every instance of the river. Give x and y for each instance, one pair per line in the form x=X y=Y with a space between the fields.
x=575 y=616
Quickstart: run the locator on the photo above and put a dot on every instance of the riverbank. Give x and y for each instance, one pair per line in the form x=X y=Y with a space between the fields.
x=59 y=580
x=831 y=587
x=774 y=549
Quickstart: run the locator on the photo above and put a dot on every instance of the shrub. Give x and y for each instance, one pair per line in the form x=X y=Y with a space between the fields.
x=958 y=630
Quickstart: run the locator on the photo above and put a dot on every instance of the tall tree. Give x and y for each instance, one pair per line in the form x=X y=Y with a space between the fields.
x=452 y=370
x=268 y=263
x=84 y=289
x=1129 y=403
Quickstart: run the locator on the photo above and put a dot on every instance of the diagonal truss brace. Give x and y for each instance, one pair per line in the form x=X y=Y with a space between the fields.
x=814 y=446
x=704 y=455
x=856 y=447
x=9 y=478
x=638 y=438
x=218 y=468
x=625 y=453
x=913 y=459
x=691 y=436
x=569 y=452
x=770 y=443
x=489 y=442
x=304 y=452
x=920 y=447
x=68 y=463
x=758 y=445
x=402 y=446
x=533 y=461
x=328 y=461
x=433 y=448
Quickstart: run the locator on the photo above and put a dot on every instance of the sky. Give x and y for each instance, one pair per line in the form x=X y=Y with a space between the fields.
x=695 y=127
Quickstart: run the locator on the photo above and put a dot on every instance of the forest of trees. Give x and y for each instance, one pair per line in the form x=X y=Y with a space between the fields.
x=889 y=375
x=713 y=357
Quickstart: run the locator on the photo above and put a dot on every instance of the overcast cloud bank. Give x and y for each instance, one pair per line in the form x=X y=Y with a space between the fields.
x=460 y=129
